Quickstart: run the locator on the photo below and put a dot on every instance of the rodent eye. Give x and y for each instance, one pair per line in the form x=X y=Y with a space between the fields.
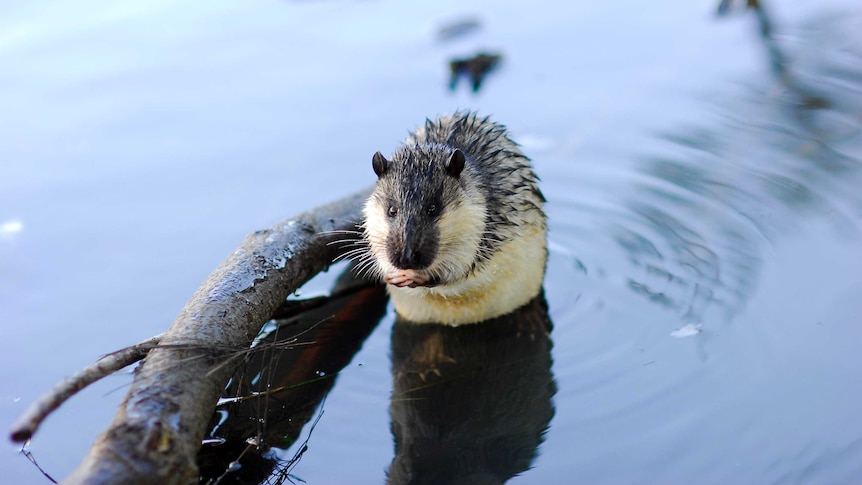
x=392 y=211
x=431 y=209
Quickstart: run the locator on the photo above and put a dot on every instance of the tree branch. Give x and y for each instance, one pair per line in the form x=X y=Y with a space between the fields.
x=158 y=428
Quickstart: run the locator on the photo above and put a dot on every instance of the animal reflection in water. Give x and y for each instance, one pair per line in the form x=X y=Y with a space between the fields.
x=471 y=403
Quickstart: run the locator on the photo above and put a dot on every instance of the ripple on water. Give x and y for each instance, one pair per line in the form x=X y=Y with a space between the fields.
x=679 y=245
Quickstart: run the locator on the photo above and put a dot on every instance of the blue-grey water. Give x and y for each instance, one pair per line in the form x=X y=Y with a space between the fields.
x=705 y=278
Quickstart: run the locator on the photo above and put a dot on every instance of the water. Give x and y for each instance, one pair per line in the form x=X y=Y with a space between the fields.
x=688 y=188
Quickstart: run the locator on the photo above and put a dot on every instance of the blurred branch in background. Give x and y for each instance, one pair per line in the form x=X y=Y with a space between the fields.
x=778 y=61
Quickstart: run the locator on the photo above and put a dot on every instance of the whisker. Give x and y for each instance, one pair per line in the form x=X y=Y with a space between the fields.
x=347 y=256
x=346 y=242
x=339 y=232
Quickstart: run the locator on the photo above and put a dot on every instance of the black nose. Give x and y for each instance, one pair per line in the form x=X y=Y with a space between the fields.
x=410 y=258
x=414 y=248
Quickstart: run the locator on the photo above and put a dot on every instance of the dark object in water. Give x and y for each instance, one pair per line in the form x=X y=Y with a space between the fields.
x=725 y=5
x=474 y=68
x=458 y=28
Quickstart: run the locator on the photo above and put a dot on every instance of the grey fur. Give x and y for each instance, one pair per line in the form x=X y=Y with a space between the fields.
x=416 y=178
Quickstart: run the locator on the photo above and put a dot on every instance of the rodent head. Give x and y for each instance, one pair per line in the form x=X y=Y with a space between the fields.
x=425 y=220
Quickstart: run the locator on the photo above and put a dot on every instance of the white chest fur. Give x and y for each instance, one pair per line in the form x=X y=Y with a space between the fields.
x=511 y=278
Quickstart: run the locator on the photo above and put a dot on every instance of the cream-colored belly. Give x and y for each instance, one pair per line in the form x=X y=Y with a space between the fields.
x=511 y=278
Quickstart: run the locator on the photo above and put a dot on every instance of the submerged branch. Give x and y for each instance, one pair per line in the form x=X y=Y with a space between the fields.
x=157 y=431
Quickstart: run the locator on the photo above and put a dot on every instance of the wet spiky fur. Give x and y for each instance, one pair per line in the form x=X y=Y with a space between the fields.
x=456 y=243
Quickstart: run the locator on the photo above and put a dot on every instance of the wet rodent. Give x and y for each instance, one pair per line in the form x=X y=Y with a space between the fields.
x=455 y=225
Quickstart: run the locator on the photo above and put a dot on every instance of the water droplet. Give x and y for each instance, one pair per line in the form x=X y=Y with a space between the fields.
x=687 y=331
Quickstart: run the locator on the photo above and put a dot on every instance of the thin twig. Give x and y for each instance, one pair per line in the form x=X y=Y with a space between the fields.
x=32 y=418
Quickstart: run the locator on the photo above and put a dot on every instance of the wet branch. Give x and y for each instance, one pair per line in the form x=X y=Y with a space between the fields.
x=28 y=423
x=157 y=430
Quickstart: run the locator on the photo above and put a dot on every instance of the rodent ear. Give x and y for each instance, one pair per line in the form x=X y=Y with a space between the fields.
x=379 y=163
x=455 y=163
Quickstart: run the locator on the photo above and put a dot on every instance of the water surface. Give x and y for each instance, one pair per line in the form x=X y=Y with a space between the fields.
x=705 y=215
